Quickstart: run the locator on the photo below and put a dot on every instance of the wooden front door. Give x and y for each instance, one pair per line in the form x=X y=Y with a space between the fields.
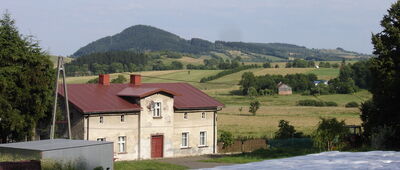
x=157 y=146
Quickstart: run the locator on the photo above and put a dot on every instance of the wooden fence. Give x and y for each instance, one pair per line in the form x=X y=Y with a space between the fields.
x=243 y=146
x=21 y=165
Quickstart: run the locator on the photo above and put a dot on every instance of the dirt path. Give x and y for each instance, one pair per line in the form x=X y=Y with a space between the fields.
x=194 y=161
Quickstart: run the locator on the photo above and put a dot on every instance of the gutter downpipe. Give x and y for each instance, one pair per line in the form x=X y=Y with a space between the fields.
x=138 y=136
x=214 y=134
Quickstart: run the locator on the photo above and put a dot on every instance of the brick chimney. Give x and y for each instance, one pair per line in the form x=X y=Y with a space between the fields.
x=136 y=79
x=104 y=79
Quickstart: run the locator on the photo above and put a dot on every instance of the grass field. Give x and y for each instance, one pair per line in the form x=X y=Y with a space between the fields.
x=146 y=165
x=262 y=154
x=273 y=108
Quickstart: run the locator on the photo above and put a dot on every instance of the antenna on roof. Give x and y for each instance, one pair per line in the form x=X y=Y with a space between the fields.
x=60 y=67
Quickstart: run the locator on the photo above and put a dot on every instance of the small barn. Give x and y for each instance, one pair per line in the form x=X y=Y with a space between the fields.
x=284 y=89
x=82 y=154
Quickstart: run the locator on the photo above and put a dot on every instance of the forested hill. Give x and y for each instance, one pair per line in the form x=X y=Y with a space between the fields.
x=142 y=38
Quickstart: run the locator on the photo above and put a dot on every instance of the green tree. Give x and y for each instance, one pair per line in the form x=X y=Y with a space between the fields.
x=26 y=83
x=286 y=131
x=254 y=106
x=248 y=80
x=330 y=134
x=116 y=67
x=385 y=73
x=119 y=79
x=226 y=138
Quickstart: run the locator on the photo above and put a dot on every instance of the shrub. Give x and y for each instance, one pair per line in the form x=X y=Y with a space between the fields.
x=352 y=104
x=226 y=138
x=286 y=131
x=119 y=79
x=330 y=134
x=331 y=104
x=310 y=102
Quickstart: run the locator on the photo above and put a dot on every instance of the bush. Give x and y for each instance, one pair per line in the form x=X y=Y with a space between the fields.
x=352 y=104
x=119 y=79
x=286 y=131
x=310 y=102
x=226 y=138
x=331 y=104
x=330 y=134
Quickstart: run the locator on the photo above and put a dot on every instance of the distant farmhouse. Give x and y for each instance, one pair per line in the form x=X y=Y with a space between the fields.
x=284 y=89
x=145 y=120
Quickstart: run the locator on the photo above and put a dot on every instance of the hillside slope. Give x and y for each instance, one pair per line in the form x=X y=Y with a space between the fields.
x=144 y=38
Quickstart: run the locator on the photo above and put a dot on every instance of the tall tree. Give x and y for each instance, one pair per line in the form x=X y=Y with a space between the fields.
x=383 y=110
x=26 y=83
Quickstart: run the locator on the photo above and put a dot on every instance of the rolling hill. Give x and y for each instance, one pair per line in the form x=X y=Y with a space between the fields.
x=144 y=38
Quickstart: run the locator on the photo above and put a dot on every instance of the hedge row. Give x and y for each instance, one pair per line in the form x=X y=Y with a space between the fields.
x=227 y=72
x=310 y=102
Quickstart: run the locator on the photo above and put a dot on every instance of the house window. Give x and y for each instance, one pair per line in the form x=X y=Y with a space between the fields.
x=101 y=139
x=203 y=138
x=122 y=118
x=203 y=115
x=157 y=109
x=121 y=143
x=185 y=115
x=185 y=139
x=101 y=119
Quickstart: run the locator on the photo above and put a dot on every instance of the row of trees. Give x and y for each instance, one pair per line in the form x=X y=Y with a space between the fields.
x=116 y=62
x=297 y=63
x=299 y=82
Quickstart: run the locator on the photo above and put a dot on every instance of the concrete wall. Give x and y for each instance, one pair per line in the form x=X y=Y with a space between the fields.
x=194 y=124
x=156 y=126
x=87 y=157
x=111 y=129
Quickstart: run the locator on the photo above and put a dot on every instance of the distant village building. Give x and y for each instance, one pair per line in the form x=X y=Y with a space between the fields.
x=284 y=89
x=145 y=120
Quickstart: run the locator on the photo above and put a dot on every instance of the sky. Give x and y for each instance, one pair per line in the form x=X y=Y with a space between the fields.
x=63 y=26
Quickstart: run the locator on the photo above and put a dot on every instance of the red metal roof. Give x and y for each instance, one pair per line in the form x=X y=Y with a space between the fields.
x=96 y=98
x=143 y=91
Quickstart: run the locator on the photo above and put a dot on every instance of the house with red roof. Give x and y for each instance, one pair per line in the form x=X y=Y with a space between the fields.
x=145 y=120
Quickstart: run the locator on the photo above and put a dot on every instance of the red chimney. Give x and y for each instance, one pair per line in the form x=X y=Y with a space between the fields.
x=104 y=79
x=136 y=79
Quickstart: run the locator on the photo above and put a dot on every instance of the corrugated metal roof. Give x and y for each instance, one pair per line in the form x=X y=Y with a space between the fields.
x=143 y=91
x=52 y=144
x=95 y=98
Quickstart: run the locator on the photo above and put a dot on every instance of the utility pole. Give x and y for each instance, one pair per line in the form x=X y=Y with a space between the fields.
x=60 y=67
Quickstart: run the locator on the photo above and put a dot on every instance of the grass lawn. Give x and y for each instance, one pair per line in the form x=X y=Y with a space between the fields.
x=146 y=165
x=325 y=73
x=263 y=154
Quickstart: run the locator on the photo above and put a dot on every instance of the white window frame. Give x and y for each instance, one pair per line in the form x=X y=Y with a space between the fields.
x=185 y=145
x=122 y=118
x=157 y=106
x=203 y=115
x=101 y=119
x=121 y=144
x=204 y=138
x=101 y=139
x=185 y=115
